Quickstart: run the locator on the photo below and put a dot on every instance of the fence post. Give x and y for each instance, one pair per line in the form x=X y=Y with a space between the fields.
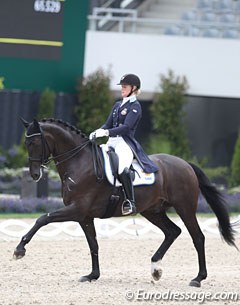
x=42 y=185
x=32 y=189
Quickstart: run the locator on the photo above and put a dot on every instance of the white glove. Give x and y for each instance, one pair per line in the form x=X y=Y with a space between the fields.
x=99 y=133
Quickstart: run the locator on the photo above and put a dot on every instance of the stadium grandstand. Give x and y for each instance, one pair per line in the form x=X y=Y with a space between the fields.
x=165 y=32
x=207 y=18
x=54 y=44
x=199 y=39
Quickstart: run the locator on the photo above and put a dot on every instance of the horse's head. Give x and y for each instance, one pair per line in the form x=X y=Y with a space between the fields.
x=37 y=147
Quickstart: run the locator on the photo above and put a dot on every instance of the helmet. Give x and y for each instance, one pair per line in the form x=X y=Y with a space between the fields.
x=130 y=79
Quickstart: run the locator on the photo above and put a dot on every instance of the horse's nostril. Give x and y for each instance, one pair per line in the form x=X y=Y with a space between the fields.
x=35 y=176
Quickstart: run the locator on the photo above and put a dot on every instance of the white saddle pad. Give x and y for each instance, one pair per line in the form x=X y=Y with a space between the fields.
x=141 y=178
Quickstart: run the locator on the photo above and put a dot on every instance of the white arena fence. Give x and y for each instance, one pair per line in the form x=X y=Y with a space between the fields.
x=130 y=226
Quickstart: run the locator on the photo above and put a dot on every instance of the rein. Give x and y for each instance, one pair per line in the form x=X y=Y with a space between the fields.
x=74 y=151
x=44 y=160
x=97 y=161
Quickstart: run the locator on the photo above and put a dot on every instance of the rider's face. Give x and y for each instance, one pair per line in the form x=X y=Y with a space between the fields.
x=126 y=89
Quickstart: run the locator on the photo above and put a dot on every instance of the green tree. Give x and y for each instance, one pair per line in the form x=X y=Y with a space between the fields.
x=46 y=105
x=14 y=157
x=167 y=112
x=17 y=157
x=94 y=101
x=235 y=164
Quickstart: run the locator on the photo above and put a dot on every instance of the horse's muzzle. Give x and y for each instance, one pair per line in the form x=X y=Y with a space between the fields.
x=36 y=173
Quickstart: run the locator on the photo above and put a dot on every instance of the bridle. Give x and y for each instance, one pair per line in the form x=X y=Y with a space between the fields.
x=45 y=158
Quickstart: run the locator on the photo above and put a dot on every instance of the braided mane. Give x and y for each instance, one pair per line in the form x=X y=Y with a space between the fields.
x=64 y=124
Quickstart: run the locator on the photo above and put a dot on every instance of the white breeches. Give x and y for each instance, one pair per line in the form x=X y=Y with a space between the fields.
x=123 y=151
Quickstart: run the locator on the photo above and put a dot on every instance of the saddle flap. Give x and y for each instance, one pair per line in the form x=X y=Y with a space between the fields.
x=114 y=161
x=140 y=177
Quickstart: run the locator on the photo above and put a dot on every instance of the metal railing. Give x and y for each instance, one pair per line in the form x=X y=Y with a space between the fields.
x=101 y=16
x=127 y=20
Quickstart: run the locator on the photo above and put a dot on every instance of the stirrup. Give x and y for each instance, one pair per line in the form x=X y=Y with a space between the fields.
x=128 y=208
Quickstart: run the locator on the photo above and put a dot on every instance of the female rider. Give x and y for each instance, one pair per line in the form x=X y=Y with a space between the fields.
x=121 y=126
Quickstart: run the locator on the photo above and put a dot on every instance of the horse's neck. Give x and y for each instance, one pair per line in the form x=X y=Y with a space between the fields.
x=76 y=165
x=63 y=144
x=60 y=139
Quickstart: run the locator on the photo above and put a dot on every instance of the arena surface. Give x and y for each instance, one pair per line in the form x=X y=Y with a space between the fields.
x=50 y=271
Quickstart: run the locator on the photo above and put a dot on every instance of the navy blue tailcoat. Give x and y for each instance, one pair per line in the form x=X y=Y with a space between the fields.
x=123 y=121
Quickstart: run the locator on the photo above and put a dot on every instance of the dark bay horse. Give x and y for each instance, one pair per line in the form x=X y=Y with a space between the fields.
x=177 y=185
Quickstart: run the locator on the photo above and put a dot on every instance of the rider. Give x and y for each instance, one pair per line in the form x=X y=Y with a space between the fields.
x=120 y=127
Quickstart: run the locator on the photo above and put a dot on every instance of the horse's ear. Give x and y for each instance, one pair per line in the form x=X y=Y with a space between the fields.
x=25 y=123
x=36 y=124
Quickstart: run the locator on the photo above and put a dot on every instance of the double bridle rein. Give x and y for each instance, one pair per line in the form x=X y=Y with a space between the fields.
x=45 y=159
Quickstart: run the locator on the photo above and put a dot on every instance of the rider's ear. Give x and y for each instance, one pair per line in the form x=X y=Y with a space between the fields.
x=25 y=123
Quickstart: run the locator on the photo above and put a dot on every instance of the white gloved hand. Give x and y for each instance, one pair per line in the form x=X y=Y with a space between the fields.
x=99 y=133
x=92 y=135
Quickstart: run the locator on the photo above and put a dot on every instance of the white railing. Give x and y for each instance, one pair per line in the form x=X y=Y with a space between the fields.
x=138 y=226
x=101 y=16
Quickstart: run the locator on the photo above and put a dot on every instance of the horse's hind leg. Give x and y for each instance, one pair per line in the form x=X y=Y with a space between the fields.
x=171 y=232
x=198 y=238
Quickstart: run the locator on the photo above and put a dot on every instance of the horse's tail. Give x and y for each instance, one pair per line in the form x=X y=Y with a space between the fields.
x=217 y=203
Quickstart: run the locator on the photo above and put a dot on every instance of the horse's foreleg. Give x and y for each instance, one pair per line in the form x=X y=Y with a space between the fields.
x=67 y=213
x=89 y=230
x=171 y=232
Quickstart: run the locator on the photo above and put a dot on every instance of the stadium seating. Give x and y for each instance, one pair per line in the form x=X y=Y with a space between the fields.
x=189 y=15
x=205 y=5
x=211 y=33
x=204 y=18
x=173 y=30
x=213 y=19
x=224 y=6
x=232 y=34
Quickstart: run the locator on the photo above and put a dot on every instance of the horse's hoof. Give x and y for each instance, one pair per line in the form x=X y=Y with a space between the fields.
x=84 y=279
x=195 y=283
x=89 y=278
x=18 y=254
x=156 y=271
x=157 y=274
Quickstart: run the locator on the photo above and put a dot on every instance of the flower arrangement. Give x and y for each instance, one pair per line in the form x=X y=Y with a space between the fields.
x=14 y=204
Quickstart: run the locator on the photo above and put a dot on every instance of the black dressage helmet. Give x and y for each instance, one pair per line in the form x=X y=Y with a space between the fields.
x=130 y=79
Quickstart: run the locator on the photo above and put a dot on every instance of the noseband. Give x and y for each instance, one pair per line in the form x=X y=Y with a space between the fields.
x=44 y=160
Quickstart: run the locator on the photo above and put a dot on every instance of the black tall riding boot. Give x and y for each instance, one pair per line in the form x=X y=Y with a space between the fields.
x=128 y=206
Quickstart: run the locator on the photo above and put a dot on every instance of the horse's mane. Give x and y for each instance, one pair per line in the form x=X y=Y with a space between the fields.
x=64 y=124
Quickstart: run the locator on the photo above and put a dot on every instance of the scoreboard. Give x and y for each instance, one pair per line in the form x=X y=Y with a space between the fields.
x=42 y=43
x=31 y=29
